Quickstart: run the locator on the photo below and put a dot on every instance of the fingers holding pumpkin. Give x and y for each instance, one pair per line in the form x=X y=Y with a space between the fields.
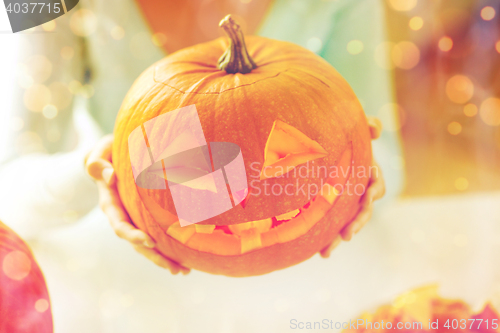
x=376 y=187
x=325 y=253
x=112 y=206
x=359 y=222
x=349 y=230
x=375 y=191
x=98 y=161
x=161 y=261
x=98 y=166
x=375 y=126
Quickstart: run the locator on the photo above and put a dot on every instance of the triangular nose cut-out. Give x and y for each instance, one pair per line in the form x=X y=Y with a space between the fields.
x=286 y=148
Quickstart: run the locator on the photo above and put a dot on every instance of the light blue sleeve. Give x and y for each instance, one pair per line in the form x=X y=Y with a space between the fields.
x=326 y=27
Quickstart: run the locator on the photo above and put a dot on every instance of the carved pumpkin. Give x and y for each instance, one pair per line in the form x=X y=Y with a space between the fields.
x=423 y=310
x=301 y=131
x=24 y=300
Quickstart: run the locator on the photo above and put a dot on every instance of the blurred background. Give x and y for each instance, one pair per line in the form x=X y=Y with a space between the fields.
x=446 y=60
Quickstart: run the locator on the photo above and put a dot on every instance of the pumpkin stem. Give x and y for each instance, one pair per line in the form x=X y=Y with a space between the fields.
x=236 y=58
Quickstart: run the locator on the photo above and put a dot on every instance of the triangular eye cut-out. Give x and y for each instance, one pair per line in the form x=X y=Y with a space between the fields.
x=286 y=148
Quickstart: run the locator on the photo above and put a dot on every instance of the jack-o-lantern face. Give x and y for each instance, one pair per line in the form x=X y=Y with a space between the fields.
x=304 y=141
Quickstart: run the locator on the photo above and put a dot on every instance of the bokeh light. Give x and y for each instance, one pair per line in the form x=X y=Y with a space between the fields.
x=61 y=96
x=16 y=265
x=445 y=44
x=490 y=111
x=74 y=87
x=117 y=32
x=49 y=111
x=67 y=52
x=461 y=184
x=355 y=47
x=36 y=97
x=470 y=110
x=24 y=79
x=83 y=22
x=454 y=128
x=488 y=13
x=41 y=305
x=405 y=55
x=497 y=46
x=416 y=23
x=49 y=26
x=39 y=68
x=403 y=5
x=314 y=44
x=459 y=89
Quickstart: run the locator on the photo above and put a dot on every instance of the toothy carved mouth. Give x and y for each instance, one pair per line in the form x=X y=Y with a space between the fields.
x=245 y=237
x=237 y=239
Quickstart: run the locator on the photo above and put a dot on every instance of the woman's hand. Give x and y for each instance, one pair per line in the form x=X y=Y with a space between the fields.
x=375 y=191
x=99 y=167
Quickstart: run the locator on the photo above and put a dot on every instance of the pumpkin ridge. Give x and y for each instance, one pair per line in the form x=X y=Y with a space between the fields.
x=311 y=75
x=201 y=64
x=223 y=91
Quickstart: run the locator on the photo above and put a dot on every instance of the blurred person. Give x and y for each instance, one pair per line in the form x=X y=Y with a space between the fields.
x=72 y=81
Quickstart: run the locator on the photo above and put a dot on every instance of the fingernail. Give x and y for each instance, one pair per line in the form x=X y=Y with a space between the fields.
x=149 y=244
x=107 y=174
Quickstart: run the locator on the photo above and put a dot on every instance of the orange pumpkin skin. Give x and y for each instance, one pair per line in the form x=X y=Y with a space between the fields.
x=19 y=293
x=290 y=84
x=427 y=312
